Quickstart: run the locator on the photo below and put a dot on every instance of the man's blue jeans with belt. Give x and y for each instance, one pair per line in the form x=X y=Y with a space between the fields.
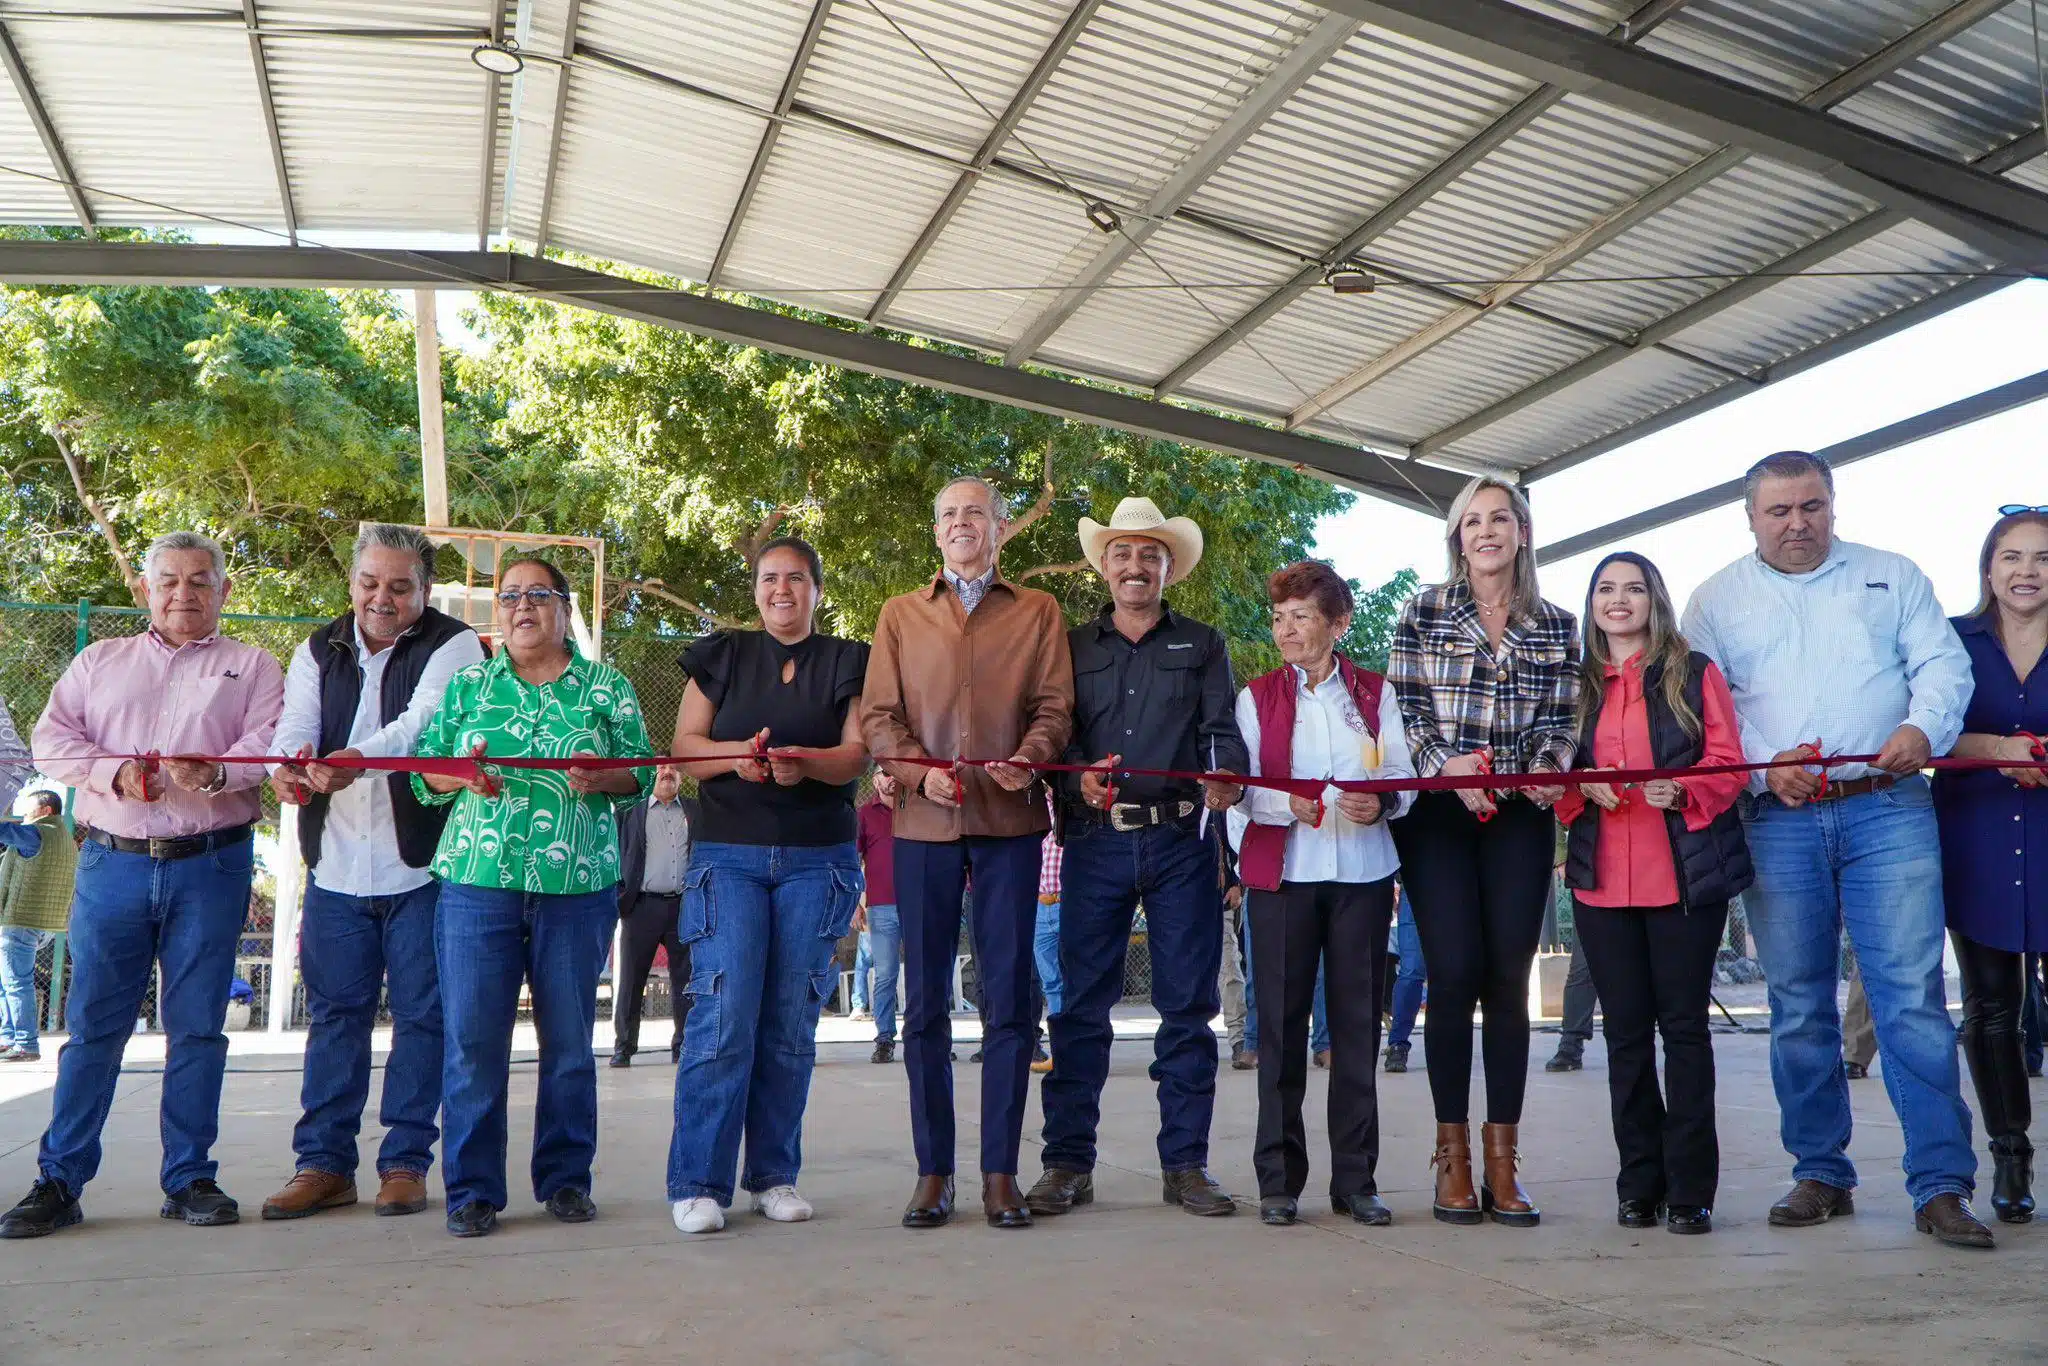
x=1871 y=863
x=130 y=912
x=348 y=947
x=1107 y=872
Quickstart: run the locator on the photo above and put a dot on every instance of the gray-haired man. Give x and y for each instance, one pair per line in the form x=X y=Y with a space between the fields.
x=364 y=686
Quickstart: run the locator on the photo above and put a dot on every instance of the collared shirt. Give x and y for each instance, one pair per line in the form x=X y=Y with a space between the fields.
x=136 y=695
x=536 y=835
x=971 y=591
x=1843 y=654
x=1332 y=741
x=15 y=767
x=668 y=847
x=1160 y=702
x=1994 y=833
x=1460 y=693
x=877 y=844
x=1050 y=859
x=359 y=844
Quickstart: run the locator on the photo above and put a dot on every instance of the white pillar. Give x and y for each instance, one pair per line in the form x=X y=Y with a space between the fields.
x=433 y=446
x=284 y=920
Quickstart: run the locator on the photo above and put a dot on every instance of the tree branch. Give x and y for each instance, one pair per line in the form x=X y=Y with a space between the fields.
x=656 y=589
x=1037 y=510
x=750 y=544
x=1073 y=567
x=99 y=518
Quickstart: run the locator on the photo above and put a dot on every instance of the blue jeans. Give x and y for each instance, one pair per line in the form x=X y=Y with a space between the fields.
x=130 y=911
x=1173 y=870
x=1411 y=981
x=18 y=949
x=761 y=922
x=1319 y=1016
x=1045 y=950
x=885 y=934
x=347 y=947
x=1873 y=864
x=487 y=940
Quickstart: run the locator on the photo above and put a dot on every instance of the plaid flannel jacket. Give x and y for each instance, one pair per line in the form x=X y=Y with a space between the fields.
x=1456 y=697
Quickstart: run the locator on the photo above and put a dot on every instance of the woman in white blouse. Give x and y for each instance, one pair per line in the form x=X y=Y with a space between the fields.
x=1319 y=874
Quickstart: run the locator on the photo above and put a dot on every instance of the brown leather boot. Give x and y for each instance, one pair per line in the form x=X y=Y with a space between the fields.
x=1500 y=1193
x=309 y=1192
x=401 y=1192
x=1456 y=1202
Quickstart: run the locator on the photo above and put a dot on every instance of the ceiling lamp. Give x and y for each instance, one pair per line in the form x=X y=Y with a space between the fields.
x=1345 y=278
x=499 y=58
x=1103 y=217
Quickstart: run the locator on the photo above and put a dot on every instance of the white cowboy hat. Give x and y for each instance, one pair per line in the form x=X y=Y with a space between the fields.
x=1141 y=517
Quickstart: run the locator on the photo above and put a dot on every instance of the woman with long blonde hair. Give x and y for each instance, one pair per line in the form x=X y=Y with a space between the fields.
x=1487 y=673
x=1652 y=869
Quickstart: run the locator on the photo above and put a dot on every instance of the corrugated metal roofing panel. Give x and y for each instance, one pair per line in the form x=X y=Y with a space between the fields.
x=1968 y=96
x=1647 y=383
x=23 y=197
x=153 y=150
x=1788 y=47
x=738 y=48
x=1008 y=233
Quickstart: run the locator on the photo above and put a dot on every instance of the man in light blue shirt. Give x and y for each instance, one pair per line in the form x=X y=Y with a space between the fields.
x=1827 y=642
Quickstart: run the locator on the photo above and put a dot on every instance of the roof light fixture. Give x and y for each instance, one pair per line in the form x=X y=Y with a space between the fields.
x=1104 y=217
x=500 y=58
x=1345 y=278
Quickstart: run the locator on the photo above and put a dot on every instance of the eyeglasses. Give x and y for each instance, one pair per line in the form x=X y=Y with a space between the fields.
x=535 y=597
x=2015 y=509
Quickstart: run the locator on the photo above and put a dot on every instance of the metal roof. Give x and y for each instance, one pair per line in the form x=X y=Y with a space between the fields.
x=1582 y=218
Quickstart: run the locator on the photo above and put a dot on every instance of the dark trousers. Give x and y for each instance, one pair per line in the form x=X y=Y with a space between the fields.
x=1994 y=995
x=1173 y=870
x=1479 y=892
x=2035 y=1016
x=930 y=881
x=1654 y=970
x=1343 y=925
x=651 y=926
x=1580 y=1000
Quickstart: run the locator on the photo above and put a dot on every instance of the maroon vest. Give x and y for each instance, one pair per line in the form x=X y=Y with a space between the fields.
x=1263 y=854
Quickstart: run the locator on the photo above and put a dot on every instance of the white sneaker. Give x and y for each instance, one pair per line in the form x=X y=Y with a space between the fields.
x=782 y=1204
x=701 y=1215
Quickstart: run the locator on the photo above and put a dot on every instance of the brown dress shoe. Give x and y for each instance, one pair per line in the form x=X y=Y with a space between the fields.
x=1811 y=1202
x=1058 y=1190
x=1501 y=1195
x=931 y=1204
x=1456 y=1202
x=309 y=1192
x=1950 y=1218
x=401 y=1193
x=1002 y=1203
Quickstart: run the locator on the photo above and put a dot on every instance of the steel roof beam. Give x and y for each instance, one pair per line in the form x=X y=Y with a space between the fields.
x=487 y=176
x=808 y=44
x=1395 y=211
x=991 y=146
x=2008 y=221
x=1420 y=487
x=1658 y=333
x=284 y=177
x=1947 y=418
x=1890 y=58
x=53 y=146
x=1289 y=75
x=541 y=227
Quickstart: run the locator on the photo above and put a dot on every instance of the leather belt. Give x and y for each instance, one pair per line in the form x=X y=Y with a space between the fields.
x=1125 y=817
x=184 y=846
x=1839 y=789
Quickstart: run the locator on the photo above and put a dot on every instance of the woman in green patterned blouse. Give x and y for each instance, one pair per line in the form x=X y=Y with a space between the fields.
x=529 y=868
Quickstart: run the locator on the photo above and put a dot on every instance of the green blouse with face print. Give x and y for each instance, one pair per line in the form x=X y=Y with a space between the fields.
x=536 y=835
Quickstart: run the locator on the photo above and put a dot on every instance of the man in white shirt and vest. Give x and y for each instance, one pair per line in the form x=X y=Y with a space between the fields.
x=1838 y=645
x=364 y=686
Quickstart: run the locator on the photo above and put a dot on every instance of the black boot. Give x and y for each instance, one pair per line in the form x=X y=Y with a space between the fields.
x=2012 y=1179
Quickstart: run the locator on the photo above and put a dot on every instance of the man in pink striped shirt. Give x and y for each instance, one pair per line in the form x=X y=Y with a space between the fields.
x=163 y=873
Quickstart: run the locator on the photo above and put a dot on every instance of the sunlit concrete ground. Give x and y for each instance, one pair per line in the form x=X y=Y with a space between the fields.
x=1127 y=1278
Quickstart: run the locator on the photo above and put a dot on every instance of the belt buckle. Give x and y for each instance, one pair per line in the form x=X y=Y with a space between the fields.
x=161 y=848
x=1116 y=818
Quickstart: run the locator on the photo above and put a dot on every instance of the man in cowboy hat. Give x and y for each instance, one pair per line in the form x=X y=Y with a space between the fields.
x=1152 y=690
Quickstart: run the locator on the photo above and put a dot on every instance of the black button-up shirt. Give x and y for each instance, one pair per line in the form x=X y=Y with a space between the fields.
x=1166 y=701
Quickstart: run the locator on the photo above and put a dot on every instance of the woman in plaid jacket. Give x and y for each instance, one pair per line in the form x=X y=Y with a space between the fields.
x=1487 y=674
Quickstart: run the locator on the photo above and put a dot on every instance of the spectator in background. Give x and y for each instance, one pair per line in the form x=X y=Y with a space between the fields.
x=1045 y=944
x=1859 y=1035
x=365 y=685
x=654 y=855
x=1231 y=981
x=35 y=903
x=881 y=928
x=163 y=875
x=1411 y=982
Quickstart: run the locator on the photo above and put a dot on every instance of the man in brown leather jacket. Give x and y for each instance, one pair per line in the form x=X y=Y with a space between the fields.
x=968 y=666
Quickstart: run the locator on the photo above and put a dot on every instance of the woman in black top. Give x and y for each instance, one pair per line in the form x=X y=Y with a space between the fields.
x=772 y=885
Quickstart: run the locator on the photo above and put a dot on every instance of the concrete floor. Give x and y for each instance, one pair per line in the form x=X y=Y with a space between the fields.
x=1127 y=1277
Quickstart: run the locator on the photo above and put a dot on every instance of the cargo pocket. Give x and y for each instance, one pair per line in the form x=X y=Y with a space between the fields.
x=704 y=1025
x=699 y=914
x=847 y=885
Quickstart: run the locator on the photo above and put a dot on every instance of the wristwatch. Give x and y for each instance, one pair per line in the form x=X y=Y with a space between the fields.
x=219 y=783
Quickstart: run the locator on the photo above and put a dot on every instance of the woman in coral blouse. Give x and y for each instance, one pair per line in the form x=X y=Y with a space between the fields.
x=1652 y=868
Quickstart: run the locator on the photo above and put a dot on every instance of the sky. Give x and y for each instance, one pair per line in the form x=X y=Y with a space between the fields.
x=1933 y=500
